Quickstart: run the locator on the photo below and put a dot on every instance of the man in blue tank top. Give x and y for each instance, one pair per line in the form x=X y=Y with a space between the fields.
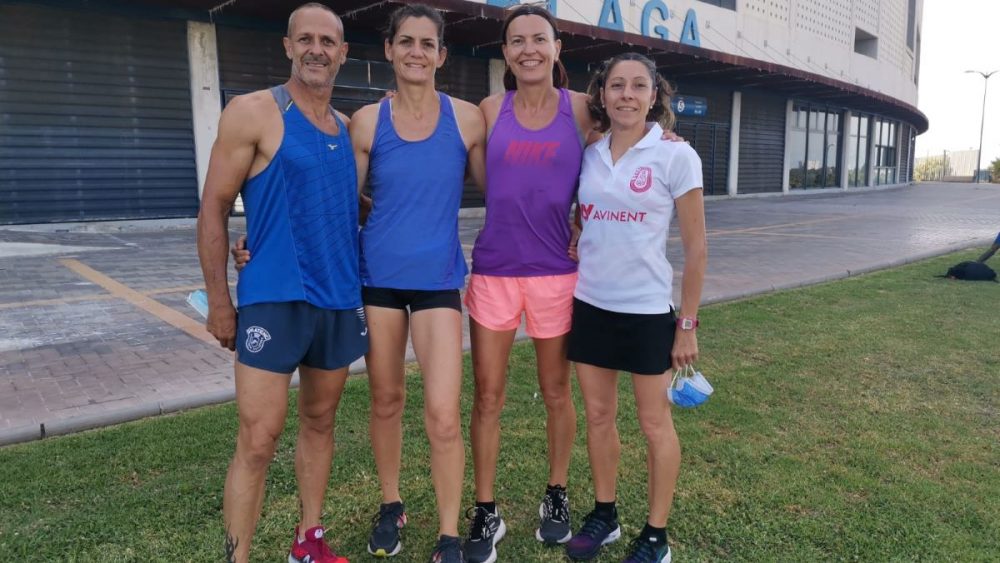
x=287 y=151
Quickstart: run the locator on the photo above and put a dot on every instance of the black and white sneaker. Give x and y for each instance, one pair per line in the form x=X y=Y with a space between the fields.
x=553 y=517
x=384 y=540
x=485 y=530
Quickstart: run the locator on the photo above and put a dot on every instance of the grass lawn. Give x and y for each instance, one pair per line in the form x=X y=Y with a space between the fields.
x=852 y=420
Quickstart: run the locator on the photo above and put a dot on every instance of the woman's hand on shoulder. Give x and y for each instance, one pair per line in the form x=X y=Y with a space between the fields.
x=672 y=137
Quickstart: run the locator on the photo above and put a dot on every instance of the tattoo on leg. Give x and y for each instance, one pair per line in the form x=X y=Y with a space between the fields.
x=230 y=547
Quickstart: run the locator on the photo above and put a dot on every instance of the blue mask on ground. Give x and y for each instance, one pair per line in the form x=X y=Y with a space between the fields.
x=689 y=388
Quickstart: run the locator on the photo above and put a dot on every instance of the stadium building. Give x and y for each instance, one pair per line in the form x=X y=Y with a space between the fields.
x=108 y=109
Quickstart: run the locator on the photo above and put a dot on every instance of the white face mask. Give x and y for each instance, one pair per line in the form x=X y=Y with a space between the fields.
x=690 y=389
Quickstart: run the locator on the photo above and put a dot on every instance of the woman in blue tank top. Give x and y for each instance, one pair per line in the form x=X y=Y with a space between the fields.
x=413 y=150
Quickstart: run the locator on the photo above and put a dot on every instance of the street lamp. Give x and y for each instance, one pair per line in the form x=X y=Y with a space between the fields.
x=986 y=82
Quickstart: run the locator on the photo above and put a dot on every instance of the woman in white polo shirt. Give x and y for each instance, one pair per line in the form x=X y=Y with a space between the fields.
x=623 y=314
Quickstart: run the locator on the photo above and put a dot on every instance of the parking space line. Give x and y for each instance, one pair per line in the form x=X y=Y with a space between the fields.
x=166 y=314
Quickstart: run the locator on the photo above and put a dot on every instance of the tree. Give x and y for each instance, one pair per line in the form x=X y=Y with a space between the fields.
x=995 y=170
x=932 y=168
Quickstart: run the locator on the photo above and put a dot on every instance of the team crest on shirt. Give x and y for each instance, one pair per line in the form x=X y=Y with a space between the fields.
x=256 y=337
x=642 y=179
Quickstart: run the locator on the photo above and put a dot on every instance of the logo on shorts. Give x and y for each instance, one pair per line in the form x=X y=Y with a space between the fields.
x=360 y=313
x=586 y=210
x=256 y=337
x=642 y=179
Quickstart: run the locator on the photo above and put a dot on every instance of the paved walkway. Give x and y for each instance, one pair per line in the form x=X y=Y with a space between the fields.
x=94 y=328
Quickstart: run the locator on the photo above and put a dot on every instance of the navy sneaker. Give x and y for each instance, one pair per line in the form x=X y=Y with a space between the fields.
x=486 y=529
x=596 y=533
x=384 y=540
x=553 y=517
x=448 y=550
x=648 y=550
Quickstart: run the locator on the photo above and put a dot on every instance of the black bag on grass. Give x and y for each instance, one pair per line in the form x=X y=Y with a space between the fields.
x=972 y=271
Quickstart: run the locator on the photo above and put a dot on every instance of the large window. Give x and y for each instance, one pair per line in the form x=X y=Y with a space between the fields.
x=857 y=150
x=814 y=148
x=886 y=159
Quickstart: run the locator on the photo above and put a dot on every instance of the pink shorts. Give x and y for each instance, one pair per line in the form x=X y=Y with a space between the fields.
x=496 y=302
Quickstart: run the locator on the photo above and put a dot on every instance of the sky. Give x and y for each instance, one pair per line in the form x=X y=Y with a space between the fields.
x=959 y=35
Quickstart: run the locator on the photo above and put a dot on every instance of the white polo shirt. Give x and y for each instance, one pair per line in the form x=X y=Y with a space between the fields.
x=626 y=209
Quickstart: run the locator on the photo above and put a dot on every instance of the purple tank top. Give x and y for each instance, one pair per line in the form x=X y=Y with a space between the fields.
x=531 y=178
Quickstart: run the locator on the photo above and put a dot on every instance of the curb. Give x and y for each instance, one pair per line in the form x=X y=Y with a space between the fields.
x=75 y=424
x=72 y=425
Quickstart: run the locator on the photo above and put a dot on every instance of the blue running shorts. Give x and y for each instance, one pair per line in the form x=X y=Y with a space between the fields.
x=279 y=337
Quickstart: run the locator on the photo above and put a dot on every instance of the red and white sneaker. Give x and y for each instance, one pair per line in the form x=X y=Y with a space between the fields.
x=314 y=549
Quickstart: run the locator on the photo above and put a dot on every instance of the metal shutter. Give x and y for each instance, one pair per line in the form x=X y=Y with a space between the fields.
x=762 y=143
x=96 y=117
x=709 y=135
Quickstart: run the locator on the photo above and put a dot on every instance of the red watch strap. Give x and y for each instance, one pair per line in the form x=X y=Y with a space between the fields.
x=680 y=322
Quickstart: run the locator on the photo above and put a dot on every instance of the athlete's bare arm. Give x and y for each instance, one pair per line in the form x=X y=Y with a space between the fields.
x=362 y=136
x=236 y=155
x=490 y=106
x=473 y=129
x=584 y=121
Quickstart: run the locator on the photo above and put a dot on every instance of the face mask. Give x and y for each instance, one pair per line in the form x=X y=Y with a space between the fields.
x=199 y=300
x=689 y=388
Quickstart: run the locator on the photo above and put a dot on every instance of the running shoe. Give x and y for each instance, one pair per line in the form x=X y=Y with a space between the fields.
x=648 y=550
x=553 y=514
x=384 y=540
x=448 y=550
x=313 y=549
x=486 y=529
x=595 y=534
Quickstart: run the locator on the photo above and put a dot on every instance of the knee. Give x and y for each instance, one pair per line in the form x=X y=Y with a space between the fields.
x=601 y=416
x=489 y=401
x=556 y=395
x=388 y=404
x=256 y=445
x=657 y=429
x=443 y=425
x=318 y=419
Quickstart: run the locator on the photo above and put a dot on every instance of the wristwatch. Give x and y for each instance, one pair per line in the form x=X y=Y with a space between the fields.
x=687 y=323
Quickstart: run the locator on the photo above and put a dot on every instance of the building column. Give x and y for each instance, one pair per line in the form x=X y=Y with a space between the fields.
x=789 y=119
x=206 y=105
x=845 y=142
x=872 y=141
x=732 y=178
x=497 y=68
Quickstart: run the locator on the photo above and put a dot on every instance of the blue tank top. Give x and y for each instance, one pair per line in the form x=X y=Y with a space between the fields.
x=302 y=218
x=410 y=240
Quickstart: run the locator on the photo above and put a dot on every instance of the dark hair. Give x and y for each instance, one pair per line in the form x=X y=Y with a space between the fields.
x=660 y=110
x=307 y=5
x=559 y=76
x=405 y=11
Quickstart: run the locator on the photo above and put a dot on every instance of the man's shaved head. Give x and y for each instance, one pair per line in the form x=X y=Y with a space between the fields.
x=324 y=7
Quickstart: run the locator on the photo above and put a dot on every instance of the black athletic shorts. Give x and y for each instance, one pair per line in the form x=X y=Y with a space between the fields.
x=279 y=337
x=639 y=344
x=414 y=299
